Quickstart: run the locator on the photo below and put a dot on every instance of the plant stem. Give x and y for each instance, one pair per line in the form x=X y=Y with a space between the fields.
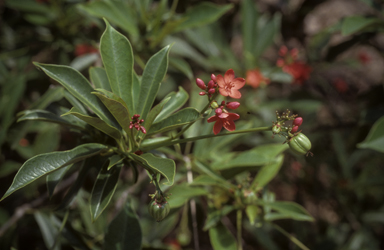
x=239 y=225
x=289 y=236
x=175 y=141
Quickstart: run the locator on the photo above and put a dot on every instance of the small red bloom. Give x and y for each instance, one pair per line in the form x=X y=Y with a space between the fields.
x=82 y=49
x=298 y=121
x=233 y=105
x=223 y=120
x=294 y=129
x=255 y=78
x=299 y=71
x=229 y=85
x=340 y=85
x=200 y=83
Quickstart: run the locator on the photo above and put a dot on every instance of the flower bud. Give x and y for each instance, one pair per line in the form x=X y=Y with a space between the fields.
x=202 y=93
x=218 y=111
x=298 y=121
x=213 y=77
x=200 y=83
x=214 y=105
x=211 y=84
x=211 y=91
x=233 y=105
x=276 y=129
x=159 y=209
x=300 y=144
x=294 y=129
x=143 y=130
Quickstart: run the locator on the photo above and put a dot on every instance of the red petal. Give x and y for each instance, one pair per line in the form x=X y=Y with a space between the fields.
x=234 y=94
x=238 y=83
x=217 y=127
x=212 y=118
x=220 y=81
x=223 y=92
x=233 y=116
x=229 y=75
x=229 y=125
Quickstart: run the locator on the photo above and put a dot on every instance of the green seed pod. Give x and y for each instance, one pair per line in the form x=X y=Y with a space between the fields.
x=300 y=144
x=159 y=210
x=276 y=129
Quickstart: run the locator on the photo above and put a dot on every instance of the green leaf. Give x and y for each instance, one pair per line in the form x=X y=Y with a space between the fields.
x=8 y=167
x=44 y=164
x=124 y=231
x=182 y=66
x=258 y=156
x=84 y=61
x=249 y=30
x=215 y=217
x=117 y=109
x=154 y=113
x=355 y=24
x=28 y=6
x=136 y=91
x=267 y=35
x=79 y=87
x=375 y=137
x=55 y=177
x=203 y=14
x=46 y=116
x=267 y=173
x=177 y=101
x=178 y=119
x=153 y=74
x=117 y=55
x=119 y=13
x=205 y=180
x=183 y=193
x=96 y=123
x=103 y=189
x=221 y=238
x=114 y=160
x=75 y=103
x=285 y=210
x=165 y=167
x=252 y=211
x=99 y=78
x=50 y=96
x=48 y=230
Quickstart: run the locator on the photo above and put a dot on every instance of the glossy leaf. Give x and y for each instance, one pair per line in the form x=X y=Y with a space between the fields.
x=182 y=66
x=221 y=238
x=154 y=113
x=165 y=167
x=51 y=95
x=183 y=193
x=79 y=87
x=114 y=160
x=353 y=24
x=178 y=119
x=46 y=116
x=286 y=210
x=154 y=73
x=203 y=14
x=176 y=102
x=75 y=103
x=117 y=109
x=96 y=123
x=205 y=180
x=375 y=137
x=48 y=230
x=103 y=189
x=136 y=91
x=124 y=231
x=267 y=173
x=117 y=55
x=257 y=156
x=99 y=78
x=83 y=62
x=117 y=12
x=44 y=164
x=55 y=177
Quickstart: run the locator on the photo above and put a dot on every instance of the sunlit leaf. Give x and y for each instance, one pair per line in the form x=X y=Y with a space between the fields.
x=183 y=193
x=221 y=238
x=99 y=78
x=375 y=137
x=178 y=99
x=267 y=173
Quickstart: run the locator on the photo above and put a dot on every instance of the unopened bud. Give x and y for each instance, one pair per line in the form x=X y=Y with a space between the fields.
x=276 y=129
x=211 y=91
x=298 y=121
x=200 y=83
x=213 y=77
x=218 y=111
x=233 y=105
x=214 y=105
x=202 y=93
x=143 y=130
x=211 y=84
x=294 y=129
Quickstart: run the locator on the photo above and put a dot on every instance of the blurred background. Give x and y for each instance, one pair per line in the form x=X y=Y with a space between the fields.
x=320 y=59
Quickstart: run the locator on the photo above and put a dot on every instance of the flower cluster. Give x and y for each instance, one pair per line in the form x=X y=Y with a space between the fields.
x=296 y=124
x=136 y=123
x=290 y=64
x=226 y=85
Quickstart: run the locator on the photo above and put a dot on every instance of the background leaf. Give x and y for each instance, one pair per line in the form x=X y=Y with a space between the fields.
x=221 y=238
x=178 y=99
x=375 y=137
x=99 y=78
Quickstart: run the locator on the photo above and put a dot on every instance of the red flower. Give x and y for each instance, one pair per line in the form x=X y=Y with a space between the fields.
x=82 y=49
x=299 y=70
x=340 y=85
x=255 y=78
x=229 y=86
x=223 y=119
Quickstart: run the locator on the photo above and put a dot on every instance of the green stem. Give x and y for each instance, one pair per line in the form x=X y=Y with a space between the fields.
x=175 y=141
x=239 y=225
x=289 y=236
